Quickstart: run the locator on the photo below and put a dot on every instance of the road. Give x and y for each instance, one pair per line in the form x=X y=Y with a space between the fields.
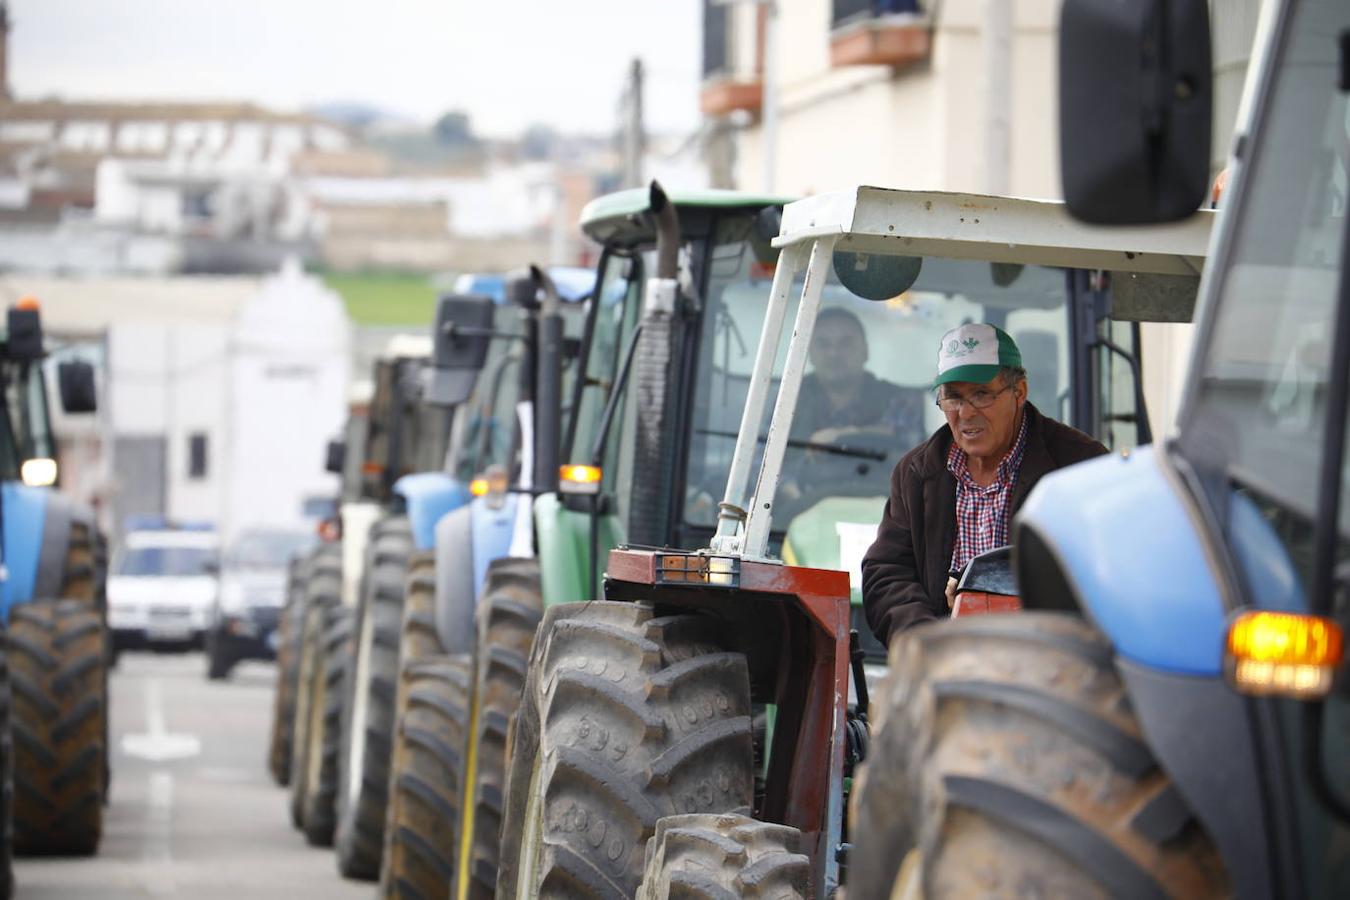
x=194 y=812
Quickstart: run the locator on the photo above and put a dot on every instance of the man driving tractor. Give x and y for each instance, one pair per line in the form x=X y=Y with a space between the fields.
x=953 y=496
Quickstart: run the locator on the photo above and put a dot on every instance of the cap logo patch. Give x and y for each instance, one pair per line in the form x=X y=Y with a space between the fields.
x=966 y=347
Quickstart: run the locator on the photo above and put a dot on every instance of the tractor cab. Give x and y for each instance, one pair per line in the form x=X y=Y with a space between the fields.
x=740 y=665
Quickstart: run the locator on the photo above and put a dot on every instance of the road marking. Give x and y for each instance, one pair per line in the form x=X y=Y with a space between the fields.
x=157 y=744
x=158 y=854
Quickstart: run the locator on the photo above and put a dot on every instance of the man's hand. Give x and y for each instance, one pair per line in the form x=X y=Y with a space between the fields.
x=951 y=592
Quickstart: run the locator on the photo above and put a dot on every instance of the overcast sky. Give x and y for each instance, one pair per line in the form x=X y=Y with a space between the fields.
x=507 y=62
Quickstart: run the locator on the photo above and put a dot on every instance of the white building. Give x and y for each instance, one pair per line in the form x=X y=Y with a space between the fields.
x=217 y=395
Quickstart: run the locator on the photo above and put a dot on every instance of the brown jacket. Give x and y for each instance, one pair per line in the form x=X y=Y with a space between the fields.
x=905 y=570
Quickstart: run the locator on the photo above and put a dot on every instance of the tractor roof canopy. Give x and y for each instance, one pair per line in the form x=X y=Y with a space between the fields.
x=997 y=229
x=619 y=218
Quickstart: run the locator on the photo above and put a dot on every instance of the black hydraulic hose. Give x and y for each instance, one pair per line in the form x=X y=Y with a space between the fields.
x=612 y=404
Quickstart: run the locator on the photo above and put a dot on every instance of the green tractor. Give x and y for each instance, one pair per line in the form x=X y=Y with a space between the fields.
x=694 y=733
x=54 y=737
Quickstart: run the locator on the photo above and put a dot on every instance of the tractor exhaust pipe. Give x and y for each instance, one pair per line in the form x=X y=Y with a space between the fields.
x=667 y=233
x=548 y=383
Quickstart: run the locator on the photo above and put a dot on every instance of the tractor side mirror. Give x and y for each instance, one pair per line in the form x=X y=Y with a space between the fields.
x=75 y=378
x=463 y=330
x=335 y=460
x=1134 y=109
x=25 y=335
x=876 y=276
x=522 y=290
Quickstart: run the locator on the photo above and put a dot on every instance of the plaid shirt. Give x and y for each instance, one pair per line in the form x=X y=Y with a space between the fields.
x=982 y=512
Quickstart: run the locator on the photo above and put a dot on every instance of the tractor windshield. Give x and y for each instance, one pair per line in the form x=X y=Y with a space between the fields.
x=866 y=397
x=1256 y=421
x=27 y=431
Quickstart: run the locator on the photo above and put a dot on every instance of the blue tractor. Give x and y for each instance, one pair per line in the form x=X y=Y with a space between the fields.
x=52 y=579
x=1170 y=716
x=444 y=456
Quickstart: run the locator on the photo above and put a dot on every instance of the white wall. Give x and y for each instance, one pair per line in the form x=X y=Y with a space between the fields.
x=288 y=392
x=919 y=128
x=170 y=381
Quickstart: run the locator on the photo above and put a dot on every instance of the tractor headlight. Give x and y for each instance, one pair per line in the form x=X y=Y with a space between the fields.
x=38 y=472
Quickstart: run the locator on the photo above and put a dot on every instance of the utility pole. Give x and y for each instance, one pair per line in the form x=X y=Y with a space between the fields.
x=998 y=75
x=769 y=103
x=634 y=140
x=4 y=51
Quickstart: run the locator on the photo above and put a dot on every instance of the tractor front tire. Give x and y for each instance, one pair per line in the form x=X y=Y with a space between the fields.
x=290 y=629
x=626 y=717
x=422 y=828
x=56 y=656
x=6 y=787
x=334 y=658
x=369 y=701
x=714 y=857
x=1006 y=760
x=322 y=591
x=507 y=618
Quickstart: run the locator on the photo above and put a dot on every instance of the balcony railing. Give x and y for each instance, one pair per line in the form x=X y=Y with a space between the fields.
x=878 y=32
x=846 y=12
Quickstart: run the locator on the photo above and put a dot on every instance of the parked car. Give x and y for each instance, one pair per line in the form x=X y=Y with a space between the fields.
x=251 y=593
x=162 y=589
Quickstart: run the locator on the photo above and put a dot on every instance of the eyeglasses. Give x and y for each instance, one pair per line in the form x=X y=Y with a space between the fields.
x=980 y=398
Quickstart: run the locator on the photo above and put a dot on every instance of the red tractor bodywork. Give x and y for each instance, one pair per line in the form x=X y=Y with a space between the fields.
x=794 y=625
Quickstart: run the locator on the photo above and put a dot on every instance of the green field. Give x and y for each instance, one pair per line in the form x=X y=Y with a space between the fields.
x=385 y=298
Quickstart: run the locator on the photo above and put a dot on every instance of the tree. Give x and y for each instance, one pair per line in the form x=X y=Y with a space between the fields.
x=454 y=130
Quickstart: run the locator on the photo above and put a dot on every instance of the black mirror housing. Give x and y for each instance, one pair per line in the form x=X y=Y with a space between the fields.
x=335 y=458
x=1135 y=99
x=463 y=331
x=75 y=378
x=24 y=343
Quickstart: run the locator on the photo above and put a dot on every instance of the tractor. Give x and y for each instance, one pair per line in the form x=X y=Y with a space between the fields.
x=1169 y=715
x=53 y=742
x=398 y=436
x=445 y=458
x=701 y=723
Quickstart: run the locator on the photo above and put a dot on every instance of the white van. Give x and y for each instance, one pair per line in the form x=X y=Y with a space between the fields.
x=162 y=589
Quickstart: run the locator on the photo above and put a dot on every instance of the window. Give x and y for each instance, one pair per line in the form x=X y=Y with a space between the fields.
x=1257 y=423
x=891 y=346
x=197 y=455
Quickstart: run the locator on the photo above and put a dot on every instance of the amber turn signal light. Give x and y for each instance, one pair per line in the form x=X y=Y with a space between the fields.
x=1288 y=654
x=575 y=478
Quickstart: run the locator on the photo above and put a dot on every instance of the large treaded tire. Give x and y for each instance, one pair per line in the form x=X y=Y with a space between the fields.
x=721 y=857
x=320 y=813
x=421 y=833
x=419 y=638
x=1006 y=760
x=323 y=588
x=290 y=630
x=370 y=696
x=626 y=718
x=507 y=618
x=6 y=787
x=57 y=663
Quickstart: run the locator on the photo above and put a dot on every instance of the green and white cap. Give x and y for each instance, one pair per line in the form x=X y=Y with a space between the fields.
x=975 y=353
